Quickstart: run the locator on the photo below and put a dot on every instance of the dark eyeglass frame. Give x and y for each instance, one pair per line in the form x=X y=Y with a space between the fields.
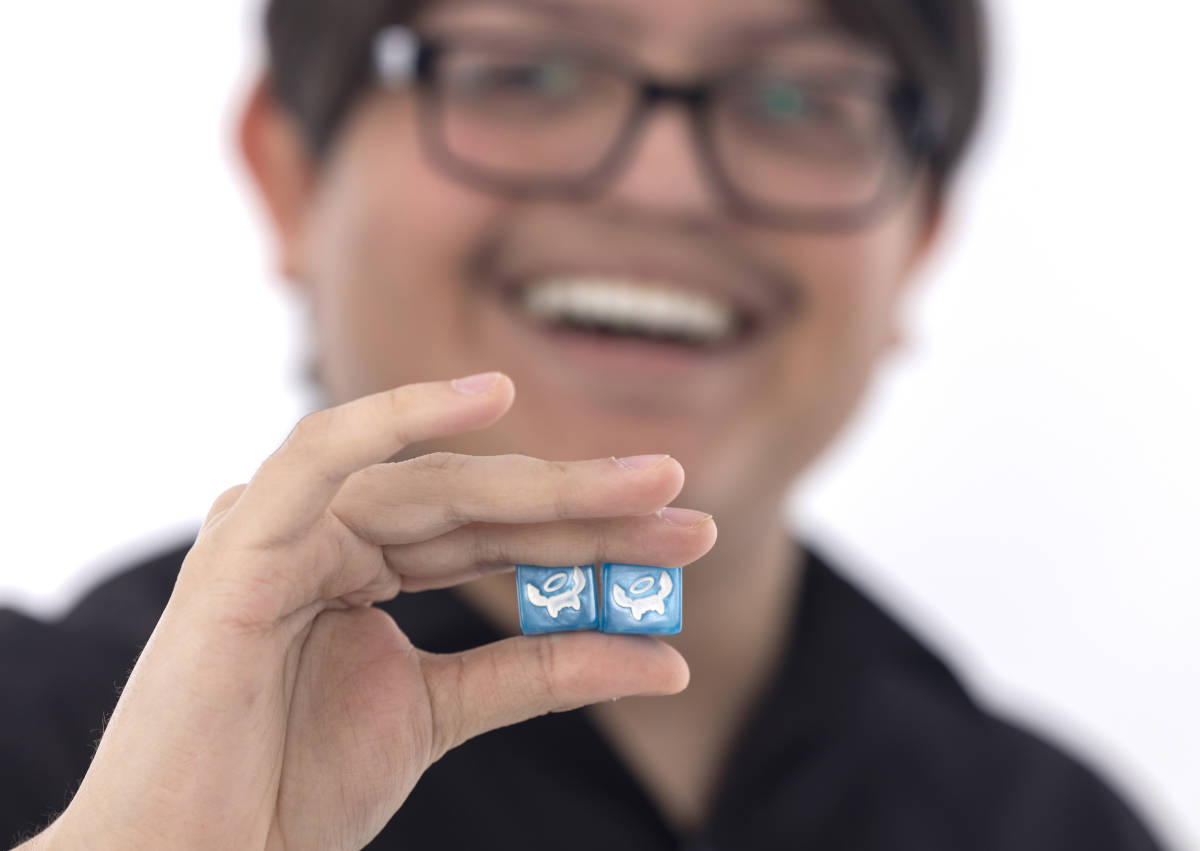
x=403 y=57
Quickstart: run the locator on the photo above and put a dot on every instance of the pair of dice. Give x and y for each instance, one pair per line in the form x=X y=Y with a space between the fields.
x=636 y=598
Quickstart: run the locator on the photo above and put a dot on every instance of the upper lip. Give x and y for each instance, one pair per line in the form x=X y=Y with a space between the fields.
x=757 y=293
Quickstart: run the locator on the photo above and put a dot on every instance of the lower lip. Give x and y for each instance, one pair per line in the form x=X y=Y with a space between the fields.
x=629 y=356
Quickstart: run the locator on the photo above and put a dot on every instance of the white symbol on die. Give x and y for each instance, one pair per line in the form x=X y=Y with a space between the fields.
x=557 y=602
x=642 y=605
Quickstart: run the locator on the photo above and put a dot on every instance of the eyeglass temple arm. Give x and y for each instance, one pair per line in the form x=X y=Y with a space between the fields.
x=395 y=54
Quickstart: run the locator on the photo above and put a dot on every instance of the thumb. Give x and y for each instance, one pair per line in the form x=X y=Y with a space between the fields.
x=519 y=678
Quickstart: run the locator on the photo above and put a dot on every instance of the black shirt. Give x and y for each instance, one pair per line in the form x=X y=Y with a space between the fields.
x=865 y=742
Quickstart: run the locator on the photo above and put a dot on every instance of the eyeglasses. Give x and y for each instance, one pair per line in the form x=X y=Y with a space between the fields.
x=783 y=142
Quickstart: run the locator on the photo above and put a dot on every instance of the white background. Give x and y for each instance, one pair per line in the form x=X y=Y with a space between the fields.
x=1024 y=486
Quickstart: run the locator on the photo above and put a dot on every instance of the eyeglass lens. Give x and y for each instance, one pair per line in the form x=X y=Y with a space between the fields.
x=786 y=141
x=523 y=114
x=782 y=136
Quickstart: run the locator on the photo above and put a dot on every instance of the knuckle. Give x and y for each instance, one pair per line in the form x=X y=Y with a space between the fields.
x=455 y=515
x=484 y=548
x=311 y=429
x=397 y=408
x=440 y=462
x=395 y=402
x=561 y=491
x=603 y=540
x=448 y=707
x=229 y=496
x=562 y=505
x=224 y=502
x=373 y=479
x=570 y=499
x=546 y=667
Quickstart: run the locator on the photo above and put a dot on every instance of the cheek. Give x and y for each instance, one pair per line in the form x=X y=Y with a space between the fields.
x=827 y=354
x=855 y=282
x=388 y=247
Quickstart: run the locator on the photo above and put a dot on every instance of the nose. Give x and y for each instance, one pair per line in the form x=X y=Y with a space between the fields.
x=663 y=173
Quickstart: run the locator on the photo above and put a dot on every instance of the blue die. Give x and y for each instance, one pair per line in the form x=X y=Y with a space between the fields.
x=556 y=599
x=642 y=599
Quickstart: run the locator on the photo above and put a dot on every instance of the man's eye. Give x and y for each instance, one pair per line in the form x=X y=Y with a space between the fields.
x=553 y=81
x=557 y=80
x=784 y=101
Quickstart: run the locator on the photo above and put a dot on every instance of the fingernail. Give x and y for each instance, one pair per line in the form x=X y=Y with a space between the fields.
x=684 y=517
x=641 y=462
x=476 y=385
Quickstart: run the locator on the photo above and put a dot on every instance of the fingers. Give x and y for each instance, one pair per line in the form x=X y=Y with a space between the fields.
x=428 y=496
x=297 y=483
x=510 y=681
x=480 y=548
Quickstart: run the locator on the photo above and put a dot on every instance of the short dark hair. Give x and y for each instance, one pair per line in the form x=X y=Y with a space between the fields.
x=320 y=60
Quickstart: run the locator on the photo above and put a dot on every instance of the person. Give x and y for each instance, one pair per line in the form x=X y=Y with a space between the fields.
x=663 y=236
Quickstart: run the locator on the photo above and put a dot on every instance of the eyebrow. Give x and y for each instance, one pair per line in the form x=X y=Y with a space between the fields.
x=811 y=23
x=817 y=25
x=806 y=21
x=587 y=16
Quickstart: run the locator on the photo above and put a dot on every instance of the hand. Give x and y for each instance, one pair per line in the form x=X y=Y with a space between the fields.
x=274 y=708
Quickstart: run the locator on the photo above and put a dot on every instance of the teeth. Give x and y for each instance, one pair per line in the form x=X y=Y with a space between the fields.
x=622 y=306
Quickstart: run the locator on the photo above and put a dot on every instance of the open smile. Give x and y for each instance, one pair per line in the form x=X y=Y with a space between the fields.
x=632 y=298
x=622 y=306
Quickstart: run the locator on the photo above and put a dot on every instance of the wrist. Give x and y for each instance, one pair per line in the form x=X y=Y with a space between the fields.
x=42 y=842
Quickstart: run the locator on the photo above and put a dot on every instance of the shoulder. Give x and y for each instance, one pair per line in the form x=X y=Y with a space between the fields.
x=117 y=616
x=61 y=681
x=925 y=747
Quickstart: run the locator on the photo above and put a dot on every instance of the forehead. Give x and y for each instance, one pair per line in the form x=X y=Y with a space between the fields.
x=687 y=28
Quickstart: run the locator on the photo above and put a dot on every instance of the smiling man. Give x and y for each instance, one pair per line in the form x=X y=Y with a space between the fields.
x=681 y=231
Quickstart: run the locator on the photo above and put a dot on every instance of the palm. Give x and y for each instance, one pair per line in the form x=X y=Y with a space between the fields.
x=359 y=732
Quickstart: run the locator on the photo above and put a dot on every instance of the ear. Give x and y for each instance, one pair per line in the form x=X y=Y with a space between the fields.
x=926 y=236
x=283 y=169
x=930 y=235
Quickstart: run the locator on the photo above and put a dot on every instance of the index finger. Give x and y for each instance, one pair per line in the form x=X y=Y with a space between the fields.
x=293 y=487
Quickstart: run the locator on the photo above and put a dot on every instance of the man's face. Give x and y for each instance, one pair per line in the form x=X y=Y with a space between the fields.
x=414 y=276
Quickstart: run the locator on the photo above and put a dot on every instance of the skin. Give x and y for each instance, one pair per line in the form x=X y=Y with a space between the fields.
x=336 y=715
x=274 y=708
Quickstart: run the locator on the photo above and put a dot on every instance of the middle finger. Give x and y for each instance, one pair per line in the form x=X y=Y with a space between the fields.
x=482 y=548
x=424 y=497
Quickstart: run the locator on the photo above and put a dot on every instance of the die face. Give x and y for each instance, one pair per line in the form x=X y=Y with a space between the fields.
x=557 y=599
x=641 y=599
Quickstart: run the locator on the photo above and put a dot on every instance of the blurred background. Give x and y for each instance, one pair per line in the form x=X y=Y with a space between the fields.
x=1023 y=487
